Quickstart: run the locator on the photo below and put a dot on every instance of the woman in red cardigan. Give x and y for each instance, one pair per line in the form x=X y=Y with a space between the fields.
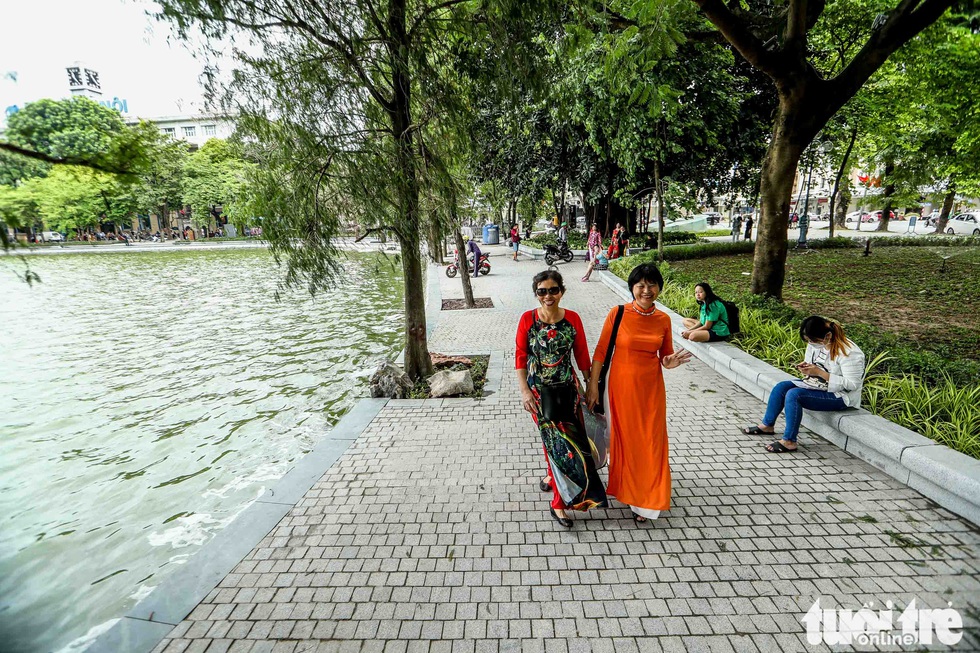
x=548 y=338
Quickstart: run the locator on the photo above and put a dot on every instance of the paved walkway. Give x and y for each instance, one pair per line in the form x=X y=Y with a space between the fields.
x=430 y=533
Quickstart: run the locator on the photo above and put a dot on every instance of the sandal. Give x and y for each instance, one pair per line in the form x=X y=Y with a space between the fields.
x=565 y=522
x=755 y=430
x=545 y=486
x=639 y=519
x=778 y=447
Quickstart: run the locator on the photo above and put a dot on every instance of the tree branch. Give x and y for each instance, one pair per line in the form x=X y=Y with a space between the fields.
x=374 y=230
x=902 y=25
x=736 y=31
x=75 y=161
x=425 y=13
x=796 y=25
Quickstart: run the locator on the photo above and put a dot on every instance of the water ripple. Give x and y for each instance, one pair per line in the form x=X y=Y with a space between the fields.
x=149 y=397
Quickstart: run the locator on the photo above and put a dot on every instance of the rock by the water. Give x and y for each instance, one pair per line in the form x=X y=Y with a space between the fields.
x=450 y=384
x=390 y=381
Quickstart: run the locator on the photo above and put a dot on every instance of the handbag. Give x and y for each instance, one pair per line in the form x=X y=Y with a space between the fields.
x=599 y=408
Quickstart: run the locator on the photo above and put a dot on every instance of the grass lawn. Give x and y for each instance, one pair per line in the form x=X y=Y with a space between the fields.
x=899 y=290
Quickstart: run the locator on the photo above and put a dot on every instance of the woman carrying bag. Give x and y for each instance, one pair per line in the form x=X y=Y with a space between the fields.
x=635 y=402
x=548 y=339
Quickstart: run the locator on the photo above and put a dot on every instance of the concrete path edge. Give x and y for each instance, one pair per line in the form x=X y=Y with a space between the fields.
x=948 y=477
x=150 y=620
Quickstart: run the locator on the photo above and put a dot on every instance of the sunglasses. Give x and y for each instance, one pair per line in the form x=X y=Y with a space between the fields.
x=541 y=292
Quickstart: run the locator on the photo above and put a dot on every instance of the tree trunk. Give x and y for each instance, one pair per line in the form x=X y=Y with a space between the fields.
x=889 y=192
x=840 y=172
x=842 y=206
x=660 y=211
x=946 y=210
x=435 y=242
x=418 y=363
x=463 y=273
x=776 y=188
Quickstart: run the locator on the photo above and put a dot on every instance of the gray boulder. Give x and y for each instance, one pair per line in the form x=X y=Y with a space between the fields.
x=450 y=384
x=390 y=381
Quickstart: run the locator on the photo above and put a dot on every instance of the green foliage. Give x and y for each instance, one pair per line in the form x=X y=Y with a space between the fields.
x=73 y=198
x=76 y=131
x=714 y=232
x=670 y=238
x=215 y=176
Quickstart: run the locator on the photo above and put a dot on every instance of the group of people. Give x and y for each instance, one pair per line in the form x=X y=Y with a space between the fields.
x=737 y=227
x=597 y=258
x=624 y=386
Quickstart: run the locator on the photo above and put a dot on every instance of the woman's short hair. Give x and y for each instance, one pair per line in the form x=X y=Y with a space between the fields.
x=553 y=275
x=645 y=272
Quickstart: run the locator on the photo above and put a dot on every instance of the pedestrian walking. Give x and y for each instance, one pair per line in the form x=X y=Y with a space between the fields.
x=736 y=227
x=833 y=375
x=748 y=228
x=594 y=246
x=515 y=239
x=633 y=350
x=549 y=338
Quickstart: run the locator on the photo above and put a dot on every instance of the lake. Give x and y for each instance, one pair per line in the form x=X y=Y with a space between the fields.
x=147 y=398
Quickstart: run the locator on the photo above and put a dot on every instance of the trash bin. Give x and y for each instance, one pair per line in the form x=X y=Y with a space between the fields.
x=491 y=234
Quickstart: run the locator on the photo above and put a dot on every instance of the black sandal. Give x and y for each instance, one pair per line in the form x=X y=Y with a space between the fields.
x=778 y=447
x=755 y=430
x=545 y=486
x=565 y=522
x=639 y=519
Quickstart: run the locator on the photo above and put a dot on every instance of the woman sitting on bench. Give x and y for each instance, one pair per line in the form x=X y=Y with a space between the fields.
x=712 y=325
x=833 y=375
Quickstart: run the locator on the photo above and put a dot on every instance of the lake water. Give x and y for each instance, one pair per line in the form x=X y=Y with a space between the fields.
x=147 y=398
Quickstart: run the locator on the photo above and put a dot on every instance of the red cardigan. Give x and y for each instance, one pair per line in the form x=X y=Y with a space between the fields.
x=580 y=346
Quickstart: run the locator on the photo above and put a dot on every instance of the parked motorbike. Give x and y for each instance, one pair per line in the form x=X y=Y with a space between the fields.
x=561 y=252
x=453 y=267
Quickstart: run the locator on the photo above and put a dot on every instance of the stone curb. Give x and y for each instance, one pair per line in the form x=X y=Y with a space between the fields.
x=948 y=477
x=179 y=593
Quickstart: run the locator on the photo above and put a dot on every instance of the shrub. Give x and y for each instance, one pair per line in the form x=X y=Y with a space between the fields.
x=670 y=238
x=927 y=241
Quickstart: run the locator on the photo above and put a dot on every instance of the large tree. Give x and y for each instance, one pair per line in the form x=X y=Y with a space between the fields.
x=335 y=100
x=774 y=38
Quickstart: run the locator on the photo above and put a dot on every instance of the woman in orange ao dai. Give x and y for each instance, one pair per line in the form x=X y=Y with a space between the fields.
x=636 y=405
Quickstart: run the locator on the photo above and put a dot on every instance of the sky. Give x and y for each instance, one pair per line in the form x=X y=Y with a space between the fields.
x=138 y=58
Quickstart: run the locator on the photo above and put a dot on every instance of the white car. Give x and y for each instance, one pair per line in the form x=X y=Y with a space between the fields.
x=52 y=237
x=854 y=215
x=964 y=224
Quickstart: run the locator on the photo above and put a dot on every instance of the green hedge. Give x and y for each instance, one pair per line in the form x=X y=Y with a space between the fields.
x=576 y=240
x=923 y=391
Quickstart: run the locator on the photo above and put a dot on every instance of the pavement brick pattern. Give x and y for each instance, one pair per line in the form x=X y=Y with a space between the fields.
x=430 y=533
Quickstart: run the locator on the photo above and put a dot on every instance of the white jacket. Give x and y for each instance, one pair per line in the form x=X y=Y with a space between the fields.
x=846 y=372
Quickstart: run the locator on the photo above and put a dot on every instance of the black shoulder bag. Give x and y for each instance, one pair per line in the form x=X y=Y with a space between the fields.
x=599 y=408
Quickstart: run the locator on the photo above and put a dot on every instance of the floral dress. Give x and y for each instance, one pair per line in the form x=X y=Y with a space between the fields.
x=546 y=351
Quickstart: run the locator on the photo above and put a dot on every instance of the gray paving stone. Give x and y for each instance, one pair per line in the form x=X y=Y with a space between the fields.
x=430 y=533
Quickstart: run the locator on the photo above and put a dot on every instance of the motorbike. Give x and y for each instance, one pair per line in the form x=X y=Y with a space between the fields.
x=562 y=252
x=453 y=267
